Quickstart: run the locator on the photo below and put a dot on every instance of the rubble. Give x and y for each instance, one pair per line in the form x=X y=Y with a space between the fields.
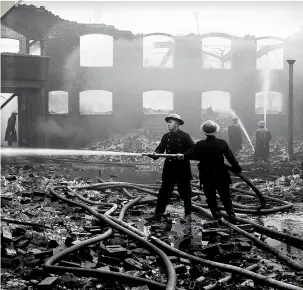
x=36 y=226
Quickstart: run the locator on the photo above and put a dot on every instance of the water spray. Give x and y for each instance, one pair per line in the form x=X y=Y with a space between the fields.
x=68 y=152
x=242 y=127
x=266 y=84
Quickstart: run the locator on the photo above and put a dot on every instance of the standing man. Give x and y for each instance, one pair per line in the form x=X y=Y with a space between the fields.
x=10 y=133
x=263 y=136
x=174 y=171
x=235 y=136
x=213 y=173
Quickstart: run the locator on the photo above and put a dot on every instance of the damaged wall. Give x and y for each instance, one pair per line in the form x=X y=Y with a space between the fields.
x=128 y=79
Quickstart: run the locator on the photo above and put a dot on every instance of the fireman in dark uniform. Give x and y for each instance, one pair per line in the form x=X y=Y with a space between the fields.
x=10 y=133
x=235 y=136
x=174 y=171
x=213 y=173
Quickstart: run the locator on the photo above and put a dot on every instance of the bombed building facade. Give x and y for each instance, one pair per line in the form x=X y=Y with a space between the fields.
x=124 y=78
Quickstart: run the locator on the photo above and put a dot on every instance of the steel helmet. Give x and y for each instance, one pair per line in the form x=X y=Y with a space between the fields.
x=235 y=119
x=261 y=123
x=174 y=117
x=210 y=127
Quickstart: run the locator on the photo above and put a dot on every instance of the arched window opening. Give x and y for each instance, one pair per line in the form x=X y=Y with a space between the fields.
x=158 y=102
x=96 y=50
x=216 y=52
x=96 y=102
x=9 y=45
x=274 y=102
x=58 y=102
x=158 y=51
x=214 y=102
x=34 y=47
x=269 y=54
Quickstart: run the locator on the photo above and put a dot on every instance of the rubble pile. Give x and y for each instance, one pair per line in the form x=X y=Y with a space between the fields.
x=144 y=141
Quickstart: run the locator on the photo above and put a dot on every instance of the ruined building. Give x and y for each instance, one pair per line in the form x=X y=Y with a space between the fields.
x=58 y=69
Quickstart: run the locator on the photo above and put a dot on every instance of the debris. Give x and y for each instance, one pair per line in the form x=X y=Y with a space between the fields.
x=48 y=282
x=180 y=269
x=245 y=246
x=133 y=264
x=247 y=227
x=212 y=250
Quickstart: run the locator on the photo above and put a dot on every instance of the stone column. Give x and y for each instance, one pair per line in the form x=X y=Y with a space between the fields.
x=243 y=65
x=187 y=74
x=127 y=95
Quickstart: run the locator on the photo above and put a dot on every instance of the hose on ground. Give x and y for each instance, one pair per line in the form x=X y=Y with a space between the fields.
x=250 y=184
x=244 y=272
x=229 y=268
x=294 y=241
x=255 y=240
x=147 y=189
x=171 y=274
x=228 y=278
x=49 y=265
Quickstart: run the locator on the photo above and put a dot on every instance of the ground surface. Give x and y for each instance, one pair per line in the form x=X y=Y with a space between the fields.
x=25 y=197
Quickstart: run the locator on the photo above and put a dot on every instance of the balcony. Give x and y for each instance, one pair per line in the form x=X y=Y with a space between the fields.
x=23 y=71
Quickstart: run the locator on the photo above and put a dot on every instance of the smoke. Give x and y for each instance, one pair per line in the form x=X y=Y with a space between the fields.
x=51 y=128
x=71 y=133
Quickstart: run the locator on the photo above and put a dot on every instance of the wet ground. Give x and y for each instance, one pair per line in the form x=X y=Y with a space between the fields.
x=289 y=222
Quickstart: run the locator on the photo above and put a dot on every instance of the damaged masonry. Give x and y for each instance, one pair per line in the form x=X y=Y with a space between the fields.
x=97 y=194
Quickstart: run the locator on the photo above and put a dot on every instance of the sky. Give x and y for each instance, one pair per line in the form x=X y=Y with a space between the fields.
x=257 y=18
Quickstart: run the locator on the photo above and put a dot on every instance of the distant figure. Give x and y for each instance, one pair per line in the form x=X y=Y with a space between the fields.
x=235 y=136
x=263 y=136
x=10 y=133
x=210 y=111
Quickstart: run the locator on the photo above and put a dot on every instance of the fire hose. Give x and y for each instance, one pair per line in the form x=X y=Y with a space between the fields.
x=118 y=224
x=171 y=281
x=94 y=273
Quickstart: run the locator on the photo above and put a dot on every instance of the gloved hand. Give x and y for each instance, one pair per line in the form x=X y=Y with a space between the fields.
x=152 y=155
x=180 y=156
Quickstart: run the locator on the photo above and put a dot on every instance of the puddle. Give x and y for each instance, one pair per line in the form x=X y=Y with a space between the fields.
x=180 y=235
x=287 y=249
x=289 y=223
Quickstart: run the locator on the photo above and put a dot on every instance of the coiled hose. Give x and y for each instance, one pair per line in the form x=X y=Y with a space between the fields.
x=171 y=281
x=122 y=226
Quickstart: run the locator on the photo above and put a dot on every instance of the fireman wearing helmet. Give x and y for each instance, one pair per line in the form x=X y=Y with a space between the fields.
x=174 y=171
x=213 y=173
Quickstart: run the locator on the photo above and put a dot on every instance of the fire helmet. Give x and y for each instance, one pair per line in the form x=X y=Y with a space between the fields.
x=261 y=123
x=175 y=117
x=210 y=127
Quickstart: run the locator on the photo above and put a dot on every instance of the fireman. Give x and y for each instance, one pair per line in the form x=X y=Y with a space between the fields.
x=213 y=173
x=263 y=136
x=174 y=171
x=235 y=136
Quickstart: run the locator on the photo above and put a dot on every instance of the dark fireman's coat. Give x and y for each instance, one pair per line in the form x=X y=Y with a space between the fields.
x=173 y=143
x=235 y=137
x=263 y=136
x=210 y=152
x=10 y=133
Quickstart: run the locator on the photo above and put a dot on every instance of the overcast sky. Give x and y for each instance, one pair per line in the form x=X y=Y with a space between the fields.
x=257 y=18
